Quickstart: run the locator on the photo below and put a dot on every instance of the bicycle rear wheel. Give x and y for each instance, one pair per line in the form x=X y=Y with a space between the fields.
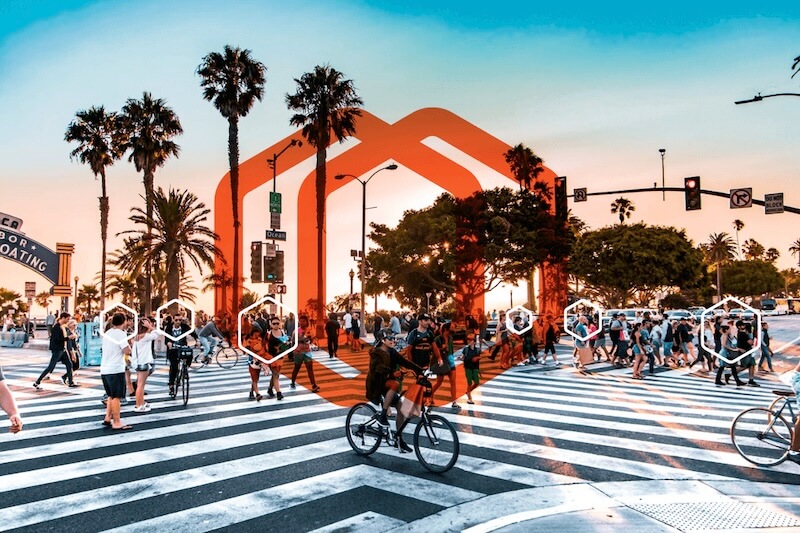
x=185 y=386
x=363 y=431
x=436 y=443
x=761 y=436
x=227 y=357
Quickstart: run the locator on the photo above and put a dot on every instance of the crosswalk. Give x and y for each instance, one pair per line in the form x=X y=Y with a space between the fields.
x=225 y=461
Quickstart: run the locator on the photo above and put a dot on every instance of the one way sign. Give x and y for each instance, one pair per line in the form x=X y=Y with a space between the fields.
x=741 y=198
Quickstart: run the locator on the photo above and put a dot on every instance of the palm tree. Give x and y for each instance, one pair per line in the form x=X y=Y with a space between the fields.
x=623 y=207
x=233 y=81
x=88 y=295
x=753 y=249
x=325 y=104
x=125 y=285
x=43 y=300
x=795 y=250
x=186 y=289
x=771 y=255
x=738 y=225
x=150 y=126
x=525 y=165
x=100 y=143
x=719 y=249
x=178 y=237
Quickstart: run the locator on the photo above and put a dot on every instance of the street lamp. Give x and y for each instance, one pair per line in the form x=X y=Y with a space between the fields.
x=364 y=232
x=75 y=308
x=428 y=307
x=759 y=97
x=663 y=151
x=350 y=301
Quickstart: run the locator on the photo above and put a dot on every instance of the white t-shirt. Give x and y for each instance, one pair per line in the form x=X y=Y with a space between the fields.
x=113 y=358
x=348 y=321
x=142 y=350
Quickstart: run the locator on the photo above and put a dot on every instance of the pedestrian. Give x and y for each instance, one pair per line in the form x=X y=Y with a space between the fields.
x=73 y=349
x=278 y=342
x=639 y=356
x=50 y=321
x=377 y=324
x=728 y=351
x=332 y=335
x=9 y=405
x=766 y=351
x=551 y=337
x=303 y=355
x=255 y=343
x=348 y=328
x=471 y=355
x=421 y=346
x=142 y=360
x=394 y=324
x=444 y=341
x=744 y=343
x=177 y=348
x=355 y=332
x=657 y=341
x=112 y=370
x=58 y=351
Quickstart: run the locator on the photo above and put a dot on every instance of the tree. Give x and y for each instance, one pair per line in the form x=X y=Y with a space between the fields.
x=43 y=300
x=233 y=81
x=753 y=249
x=796 y=66
x=738 y=225
x=675 y=300
x=623 y=207
x=751 y=278
x=791 y=281
x=100 y=143
x=616 y=262
x=126 y=286
x=179 y=236
x=325 y=105
x=771 y=255
x=718 y=250
x=150 y=127
x=525 y=165
x=88 y=295
x=795 y=250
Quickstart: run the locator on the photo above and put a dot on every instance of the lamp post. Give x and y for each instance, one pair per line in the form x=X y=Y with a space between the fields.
x=663 y=151
x=75 y=308
x=350 y=301
x=428 y=307
x=759 y=97
x=364 y=233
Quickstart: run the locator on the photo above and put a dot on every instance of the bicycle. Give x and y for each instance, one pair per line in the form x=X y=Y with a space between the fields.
x=762 y=435
x=225 y=355
x=182 y=379
x=435 y=439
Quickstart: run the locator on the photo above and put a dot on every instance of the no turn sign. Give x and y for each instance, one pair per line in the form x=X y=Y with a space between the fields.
x=741 y=198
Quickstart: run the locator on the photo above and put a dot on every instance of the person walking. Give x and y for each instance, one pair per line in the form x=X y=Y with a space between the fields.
x=142 y=360
x=728 y=351
x=355 y=332
x=9 y=405
x=550 y=339
x=112 y=370
x=303 y=355
x=471 y=355
x=766 y=351
x=58 y=351
x=348 y=328
x=50 y=321
x=445 y=343
x=332 y=335
x=277 y=342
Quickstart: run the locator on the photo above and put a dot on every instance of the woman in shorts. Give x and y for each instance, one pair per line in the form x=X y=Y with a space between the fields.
x=471 y=356
x=277 y=343
x=142 y=361
x=255 y=344
x=302 y=355
x=445 y=343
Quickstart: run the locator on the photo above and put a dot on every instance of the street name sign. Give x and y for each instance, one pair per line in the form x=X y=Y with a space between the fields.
x=276 y=235
x=773 y=203
x=741 y=198
x=274 y=202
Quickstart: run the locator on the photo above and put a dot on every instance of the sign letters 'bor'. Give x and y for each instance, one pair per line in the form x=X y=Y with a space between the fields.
x=27 y=252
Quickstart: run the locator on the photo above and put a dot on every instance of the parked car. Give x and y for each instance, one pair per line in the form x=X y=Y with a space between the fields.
x=748 y=314
x=677 y=314
x=735 y=313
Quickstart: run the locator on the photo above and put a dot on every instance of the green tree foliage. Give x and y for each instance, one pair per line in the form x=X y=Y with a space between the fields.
x=491 y=237
x=617 y=262
x=675 y=300
x=753 y=249
x=751 y=278
x=623 y=208
x=791 y=277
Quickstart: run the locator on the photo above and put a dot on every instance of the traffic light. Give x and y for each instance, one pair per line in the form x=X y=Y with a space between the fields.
x=560 y=194
x=255 y=262
x=270 y=273
x=691 y=190
x=279 y=266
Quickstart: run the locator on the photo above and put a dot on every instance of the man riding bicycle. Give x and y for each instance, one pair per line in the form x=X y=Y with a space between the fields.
x=382 y=380
x=209 y=336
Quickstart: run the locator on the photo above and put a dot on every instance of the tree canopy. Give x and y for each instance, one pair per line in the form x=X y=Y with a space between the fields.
x=751 y=278
x=619 y=263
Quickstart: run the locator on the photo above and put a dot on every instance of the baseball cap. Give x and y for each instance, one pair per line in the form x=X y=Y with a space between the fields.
x=424 y=316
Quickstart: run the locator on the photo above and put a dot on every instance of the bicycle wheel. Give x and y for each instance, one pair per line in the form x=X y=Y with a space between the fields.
x=185 y=386
x=436 y=443
x=227 y=357
x=197 y=363
x=363 y=431
x=775 y=407
x=761 y=436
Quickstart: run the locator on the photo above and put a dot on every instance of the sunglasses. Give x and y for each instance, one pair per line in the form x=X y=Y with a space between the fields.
x=389 y=339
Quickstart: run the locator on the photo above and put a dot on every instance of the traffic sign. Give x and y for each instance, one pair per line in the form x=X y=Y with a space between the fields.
x=30 y=289
x=276 y=235
x=579 y=194
x=270 y=250
x=274 y=202
x=773 y=203
x=274 y=221
x=741 y=198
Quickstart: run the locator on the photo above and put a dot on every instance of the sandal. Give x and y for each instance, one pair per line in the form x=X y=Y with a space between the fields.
x=122 y=428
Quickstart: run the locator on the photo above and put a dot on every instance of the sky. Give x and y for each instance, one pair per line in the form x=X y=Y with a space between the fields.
x=595 y=90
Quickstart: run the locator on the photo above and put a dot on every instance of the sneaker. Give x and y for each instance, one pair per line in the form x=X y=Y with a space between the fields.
x=292 y=385
x=383 y=419
x=280 y=396
x=73 y=385
x=252 y=396
x=64 y=379
x=144 y=408
x=404 y=448
x=258 y=397
x=37 y=386
x=794 y=457
x=557 y=363
x=753 y=383
x=270 y=393
x=123 y=400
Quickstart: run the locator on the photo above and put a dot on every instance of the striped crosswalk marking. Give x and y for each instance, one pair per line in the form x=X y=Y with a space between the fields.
x=226 y=461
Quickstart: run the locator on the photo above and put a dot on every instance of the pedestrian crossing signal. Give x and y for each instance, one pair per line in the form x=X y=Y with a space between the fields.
x=691 y=190
x=255 y=262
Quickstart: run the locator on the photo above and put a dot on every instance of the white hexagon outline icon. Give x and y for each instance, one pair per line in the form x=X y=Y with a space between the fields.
x=594 y=306
x=158 y=320
x=756 y=330
x=521 y=309
x=103 y=323
x=246 y=350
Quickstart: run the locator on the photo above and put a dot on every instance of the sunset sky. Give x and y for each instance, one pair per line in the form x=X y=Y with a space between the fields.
x=593 y=90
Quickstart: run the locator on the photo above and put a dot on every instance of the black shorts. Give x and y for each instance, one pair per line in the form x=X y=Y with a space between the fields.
x=114 y=384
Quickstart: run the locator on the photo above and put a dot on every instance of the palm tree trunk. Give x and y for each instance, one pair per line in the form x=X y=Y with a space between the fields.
x=233 y=160
x=322 y=156
x=149 y=178
x=173 y=279
x=103 y=236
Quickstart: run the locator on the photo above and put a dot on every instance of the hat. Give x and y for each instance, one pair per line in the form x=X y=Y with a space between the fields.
x=684 y=318
x=424 y=316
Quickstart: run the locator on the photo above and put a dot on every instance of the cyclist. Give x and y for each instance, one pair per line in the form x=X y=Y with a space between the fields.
x=178 y=328
x=209 y=336
x=382 y=381
x=794 y=449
